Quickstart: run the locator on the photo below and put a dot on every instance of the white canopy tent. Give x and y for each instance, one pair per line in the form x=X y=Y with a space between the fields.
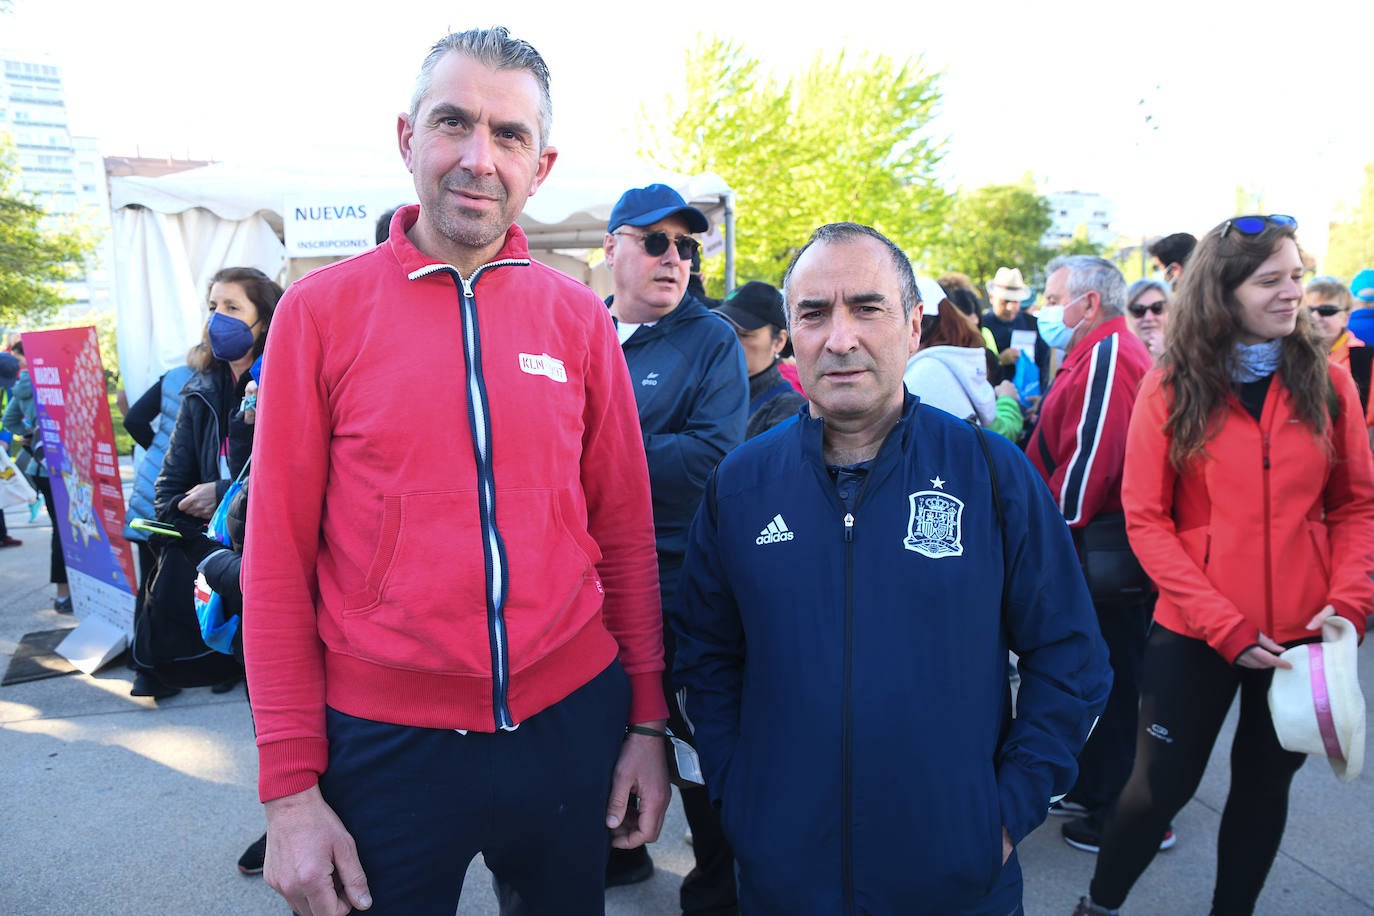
x=171 y=234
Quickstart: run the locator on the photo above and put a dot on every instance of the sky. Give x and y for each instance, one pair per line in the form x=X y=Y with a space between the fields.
x=1166 y=107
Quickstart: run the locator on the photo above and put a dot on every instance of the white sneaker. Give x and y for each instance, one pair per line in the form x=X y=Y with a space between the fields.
x=1067 y=807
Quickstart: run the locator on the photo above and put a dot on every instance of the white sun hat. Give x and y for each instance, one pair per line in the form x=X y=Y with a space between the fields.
x=1317 y=704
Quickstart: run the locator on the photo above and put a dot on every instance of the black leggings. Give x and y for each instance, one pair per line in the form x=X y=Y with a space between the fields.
x=57 y=566
x=1186 y=691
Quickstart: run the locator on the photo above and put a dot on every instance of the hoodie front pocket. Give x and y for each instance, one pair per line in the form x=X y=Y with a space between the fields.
x=438 y=585
x=426 y=586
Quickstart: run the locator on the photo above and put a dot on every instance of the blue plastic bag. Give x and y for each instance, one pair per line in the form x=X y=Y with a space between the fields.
x=217 y=631
x=1027 y=378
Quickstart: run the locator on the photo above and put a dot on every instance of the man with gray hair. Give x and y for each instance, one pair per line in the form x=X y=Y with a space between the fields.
x=1079 y=448
x=452 y=621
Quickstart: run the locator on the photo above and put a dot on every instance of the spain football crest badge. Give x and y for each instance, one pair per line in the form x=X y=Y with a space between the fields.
x=935 y=528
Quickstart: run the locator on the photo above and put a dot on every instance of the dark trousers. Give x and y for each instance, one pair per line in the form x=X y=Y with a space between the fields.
x=710 y=886
x=1105 y=761
x=57 y=566
x=1186 y=692
x=421 y=802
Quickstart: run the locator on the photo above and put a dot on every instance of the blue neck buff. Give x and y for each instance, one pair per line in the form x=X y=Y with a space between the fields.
x=1256 y=361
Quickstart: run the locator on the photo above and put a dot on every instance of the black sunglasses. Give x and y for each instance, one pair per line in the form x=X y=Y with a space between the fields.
x=1326 y=311
x=1138 y=310
x=656 y=243
x=1254 y=225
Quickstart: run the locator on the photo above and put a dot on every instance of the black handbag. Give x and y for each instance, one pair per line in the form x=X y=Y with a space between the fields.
x=1113 y=573
x=167 y=637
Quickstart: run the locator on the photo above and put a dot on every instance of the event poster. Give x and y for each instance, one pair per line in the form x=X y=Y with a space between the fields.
x=73 y=413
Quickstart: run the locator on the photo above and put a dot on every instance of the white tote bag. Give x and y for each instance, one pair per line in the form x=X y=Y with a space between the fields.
x=14 y=486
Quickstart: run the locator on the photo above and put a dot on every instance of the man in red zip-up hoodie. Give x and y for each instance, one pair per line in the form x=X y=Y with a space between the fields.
x=1079 y=448
x=452 y=625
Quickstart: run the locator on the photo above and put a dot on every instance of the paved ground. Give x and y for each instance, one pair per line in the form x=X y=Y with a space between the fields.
x=119 y=805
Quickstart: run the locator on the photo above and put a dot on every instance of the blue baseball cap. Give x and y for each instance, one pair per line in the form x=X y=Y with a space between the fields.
x=1362 y=287
x=646 y=206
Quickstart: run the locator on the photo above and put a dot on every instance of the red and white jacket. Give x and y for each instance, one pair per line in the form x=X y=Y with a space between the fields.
x=1268 y=527
x=449 y=518
x=1079 y=444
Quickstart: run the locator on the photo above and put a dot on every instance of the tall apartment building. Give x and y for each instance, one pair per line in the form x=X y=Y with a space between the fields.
x=1071 y=209
x=64 y=174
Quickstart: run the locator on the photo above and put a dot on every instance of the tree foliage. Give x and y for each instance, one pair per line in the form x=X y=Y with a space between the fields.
x=991 y=227
x=1081 y=243
x=1351 y=246
x=834 y=143
x=36 y=255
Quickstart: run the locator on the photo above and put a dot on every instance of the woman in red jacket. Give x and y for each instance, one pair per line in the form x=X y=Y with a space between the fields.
x=1249 y=499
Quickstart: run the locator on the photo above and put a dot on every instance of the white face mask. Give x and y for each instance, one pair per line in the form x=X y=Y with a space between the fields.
x=1050 y=323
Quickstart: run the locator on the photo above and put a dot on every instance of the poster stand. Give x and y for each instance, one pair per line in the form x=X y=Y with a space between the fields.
x=73 y=420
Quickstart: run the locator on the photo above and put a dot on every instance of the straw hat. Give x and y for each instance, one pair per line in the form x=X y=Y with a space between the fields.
x=1317 y=704
x=1008 y=285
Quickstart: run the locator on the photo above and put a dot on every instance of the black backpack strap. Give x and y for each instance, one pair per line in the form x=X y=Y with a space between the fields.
x=980 y=434
x=992 y=477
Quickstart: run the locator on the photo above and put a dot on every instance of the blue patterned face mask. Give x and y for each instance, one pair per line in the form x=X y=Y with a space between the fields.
x=230 y=337
x=1256 y=361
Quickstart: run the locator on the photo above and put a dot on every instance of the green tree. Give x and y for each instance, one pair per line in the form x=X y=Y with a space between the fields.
x=36 y=252
x=837 y=142
x=990 y=227
x=1351 y=246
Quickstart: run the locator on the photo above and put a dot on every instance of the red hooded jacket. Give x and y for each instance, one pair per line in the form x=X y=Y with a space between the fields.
x=1268 y=527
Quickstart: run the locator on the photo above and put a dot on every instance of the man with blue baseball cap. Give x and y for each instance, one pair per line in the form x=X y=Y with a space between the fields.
x=1362 y=318
x=688 y=375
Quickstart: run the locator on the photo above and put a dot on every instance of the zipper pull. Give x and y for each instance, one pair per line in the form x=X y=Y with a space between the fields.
x=848 y=527
x=1265 y=444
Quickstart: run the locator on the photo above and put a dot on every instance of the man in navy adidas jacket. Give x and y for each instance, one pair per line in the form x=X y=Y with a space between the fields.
x=853 y=581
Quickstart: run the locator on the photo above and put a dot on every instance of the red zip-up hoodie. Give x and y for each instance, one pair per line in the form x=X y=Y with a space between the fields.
x=449 y=517
x=1079 y=444
x=1262 y=532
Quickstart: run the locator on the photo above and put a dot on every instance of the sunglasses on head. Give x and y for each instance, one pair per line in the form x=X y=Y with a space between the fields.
x=1254 y=225
x=656 y=243
x=1326 y=311
x=1138 y=310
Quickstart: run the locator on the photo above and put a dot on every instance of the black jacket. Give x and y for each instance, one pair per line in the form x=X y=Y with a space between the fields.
x=772 y=400
x=1001 y=334
x=209 y=401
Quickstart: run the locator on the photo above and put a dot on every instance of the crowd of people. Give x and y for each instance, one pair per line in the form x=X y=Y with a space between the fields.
x=513 y=555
